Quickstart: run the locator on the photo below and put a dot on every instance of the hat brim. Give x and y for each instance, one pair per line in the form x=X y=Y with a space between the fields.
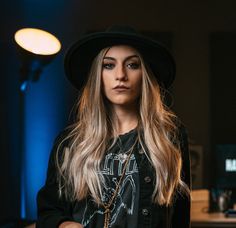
x=79 y=57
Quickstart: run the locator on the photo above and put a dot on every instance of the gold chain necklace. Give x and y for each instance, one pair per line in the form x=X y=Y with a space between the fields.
x=107 y=212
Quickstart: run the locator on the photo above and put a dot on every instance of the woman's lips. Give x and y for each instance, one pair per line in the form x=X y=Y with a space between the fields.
x=121 y=88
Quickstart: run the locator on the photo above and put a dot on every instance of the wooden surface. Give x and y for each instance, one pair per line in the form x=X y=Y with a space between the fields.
x=212 y=218
x=200 y=216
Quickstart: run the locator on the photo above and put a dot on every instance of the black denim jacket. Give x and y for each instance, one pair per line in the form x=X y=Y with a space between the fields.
x=53 y=210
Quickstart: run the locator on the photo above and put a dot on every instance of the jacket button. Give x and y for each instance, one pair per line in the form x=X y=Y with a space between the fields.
x=147 y=179
x=145 y=212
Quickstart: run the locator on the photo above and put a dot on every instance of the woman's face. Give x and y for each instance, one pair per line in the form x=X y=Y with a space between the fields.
x=122 y=75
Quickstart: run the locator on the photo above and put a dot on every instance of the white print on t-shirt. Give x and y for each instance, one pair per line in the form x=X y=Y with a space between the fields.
x=125 y=199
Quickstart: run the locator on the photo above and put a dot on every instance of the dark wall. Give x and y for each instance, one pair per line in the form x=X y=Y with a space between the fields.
x=223 y=84
x=9 y=135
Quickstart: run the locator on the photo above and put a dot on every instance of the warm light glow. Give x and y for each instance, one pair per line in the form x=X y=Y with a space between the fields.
x=37 y=41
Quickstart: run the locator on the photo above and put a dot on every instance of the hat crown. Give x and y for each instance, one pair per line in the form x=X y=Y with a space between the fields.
x=122 y=29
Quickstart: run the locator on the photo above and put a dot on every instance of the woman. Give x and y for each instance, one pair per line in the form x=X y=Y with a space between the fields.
x=124 y=162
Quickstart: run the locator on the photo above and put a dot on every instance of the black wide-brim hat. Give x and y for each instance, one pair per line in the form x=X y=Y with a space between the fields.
x=80 y=55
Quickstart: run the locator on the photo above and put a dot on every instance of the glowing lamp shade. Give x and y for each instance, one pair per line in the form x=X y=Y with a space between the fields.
x=37 y=41
x=36 y=48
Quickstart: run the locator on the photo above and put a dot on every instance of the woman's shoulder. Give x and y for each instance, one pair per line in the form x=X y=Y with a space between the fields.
x=181 y=137
x=63 y=137
x=181 y=129
x=61 y=142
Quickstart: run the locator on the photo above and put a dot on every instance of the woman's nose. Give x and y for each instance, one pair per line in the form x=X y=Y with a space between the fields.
x=121 y=73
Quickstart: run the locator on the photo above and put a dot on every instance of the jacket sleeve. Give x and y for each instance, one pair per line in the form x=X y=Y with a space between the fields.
x=181 y=206
x=52 y=209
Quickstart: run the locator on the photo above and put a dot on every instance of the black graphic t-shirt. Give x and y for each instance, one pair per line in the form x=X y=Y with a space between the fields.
x=124 y=210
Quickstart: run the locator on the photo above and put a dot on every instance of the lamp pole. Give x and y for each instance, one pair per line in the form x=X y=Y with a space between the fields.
x=25 y=75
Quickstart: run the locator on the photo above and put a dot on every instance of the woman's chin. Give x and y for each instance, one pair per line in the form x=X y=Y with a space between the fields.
x=123 y=103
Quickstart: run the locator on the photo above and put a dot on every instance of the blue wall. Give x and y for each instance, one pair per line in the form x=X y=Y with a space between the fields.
x=44 y=117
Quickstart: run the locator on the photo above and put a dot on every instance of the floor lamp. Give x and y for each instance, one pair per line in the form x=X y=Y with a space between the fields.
x=35 y=48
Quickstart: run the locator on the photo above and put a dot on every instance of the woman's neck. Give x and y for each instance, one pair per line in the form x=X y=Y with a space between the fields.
x=125 y=118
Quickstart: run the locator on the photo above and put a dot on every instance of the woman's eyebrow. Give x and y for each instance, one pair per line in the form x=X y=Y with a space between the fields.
x=128 y=57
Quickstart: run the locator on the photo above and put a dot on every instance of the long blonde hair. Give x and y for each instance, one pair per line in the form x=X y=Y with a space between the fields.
x=79 y=171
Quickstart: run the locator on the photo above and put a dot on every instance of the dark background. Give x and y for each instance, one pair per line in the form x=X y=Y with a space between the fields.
x=201 y=35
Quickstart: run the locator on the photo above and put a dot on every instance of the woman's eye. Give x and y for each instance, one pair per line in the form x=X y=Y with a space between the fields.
x=133 y=65
x=108 y=66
